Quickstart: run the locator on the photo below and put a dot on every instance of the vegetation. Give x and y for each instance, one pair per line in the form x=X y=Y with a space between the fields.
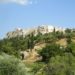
x=9 y=65
x=56 y=59
x=49 y=51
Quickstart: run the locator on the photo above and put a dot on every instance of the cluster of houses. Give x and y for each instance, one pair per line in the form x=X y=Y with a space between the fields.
x=42 y=29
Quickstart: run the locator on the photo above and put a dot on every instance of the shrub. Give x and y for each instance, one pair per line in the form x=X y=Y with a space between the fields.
x=9 y=65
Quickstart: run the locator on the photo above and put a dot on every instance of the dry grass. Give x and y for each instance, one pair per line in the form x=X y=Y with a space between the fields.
x=62 y=42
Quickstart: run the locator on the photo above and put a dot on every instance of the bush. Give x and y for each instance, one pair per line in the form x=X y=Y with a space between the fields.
x=9 y=65
x=49 y=51
x=61 y=65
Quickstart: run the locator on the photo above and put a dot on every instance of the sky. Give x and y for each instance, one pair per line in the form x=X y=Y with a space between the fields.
x=32 y=13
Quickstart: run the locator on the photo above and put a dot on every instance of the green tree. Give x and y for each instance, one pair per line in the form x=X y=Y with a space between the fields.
x=49 y=51
x=59 y=35
x=49 y=38
x=9 y=65
x=68 y=38
x=31 y=41
x=61 y=65
x=68 y=30
x=71 y=48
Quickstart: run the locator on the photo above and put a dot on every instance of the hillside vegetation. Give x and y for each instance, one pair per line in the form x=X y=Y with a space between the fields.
x=50 y=54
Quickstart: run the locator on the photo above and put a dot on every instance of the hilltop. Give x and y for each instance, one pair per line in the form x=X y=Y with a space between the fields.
x=43 y=29
x=45 y=53
x=28 y=42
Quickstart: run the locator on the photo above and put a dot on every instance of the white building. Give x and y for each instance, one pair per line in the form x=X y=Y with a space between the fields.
x=42 y=29
x=45 y=29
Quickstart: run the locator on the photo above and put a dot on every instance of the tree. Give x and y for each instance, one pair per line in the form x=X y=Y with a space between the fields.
x=39 y=38
x=49 y=38
x=68 y=30
x=59 y=65
x=71 y=48
x=6 y=46
x=49 y=51
x=59 y=35
x=31 y=41
x=9 y=65
x=68 y=38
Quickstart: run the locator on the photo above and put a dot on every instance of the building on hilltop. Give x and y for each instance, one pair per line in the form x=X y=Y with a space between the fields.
x=19 y=32
x=45 y=29
x=24 y=32
x=49 y=28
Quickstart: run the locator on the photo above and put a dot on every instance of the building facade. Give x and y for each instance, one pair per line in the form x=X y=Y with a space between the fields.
x=43 y=29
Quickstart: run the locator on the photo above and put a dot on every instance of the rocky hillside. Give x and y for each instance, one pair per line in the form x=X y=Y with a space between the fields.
x=44 y=54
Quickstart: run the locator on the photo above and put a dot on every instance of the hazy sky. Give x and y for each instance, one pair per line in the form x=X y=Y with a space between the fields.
x=31 y=13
